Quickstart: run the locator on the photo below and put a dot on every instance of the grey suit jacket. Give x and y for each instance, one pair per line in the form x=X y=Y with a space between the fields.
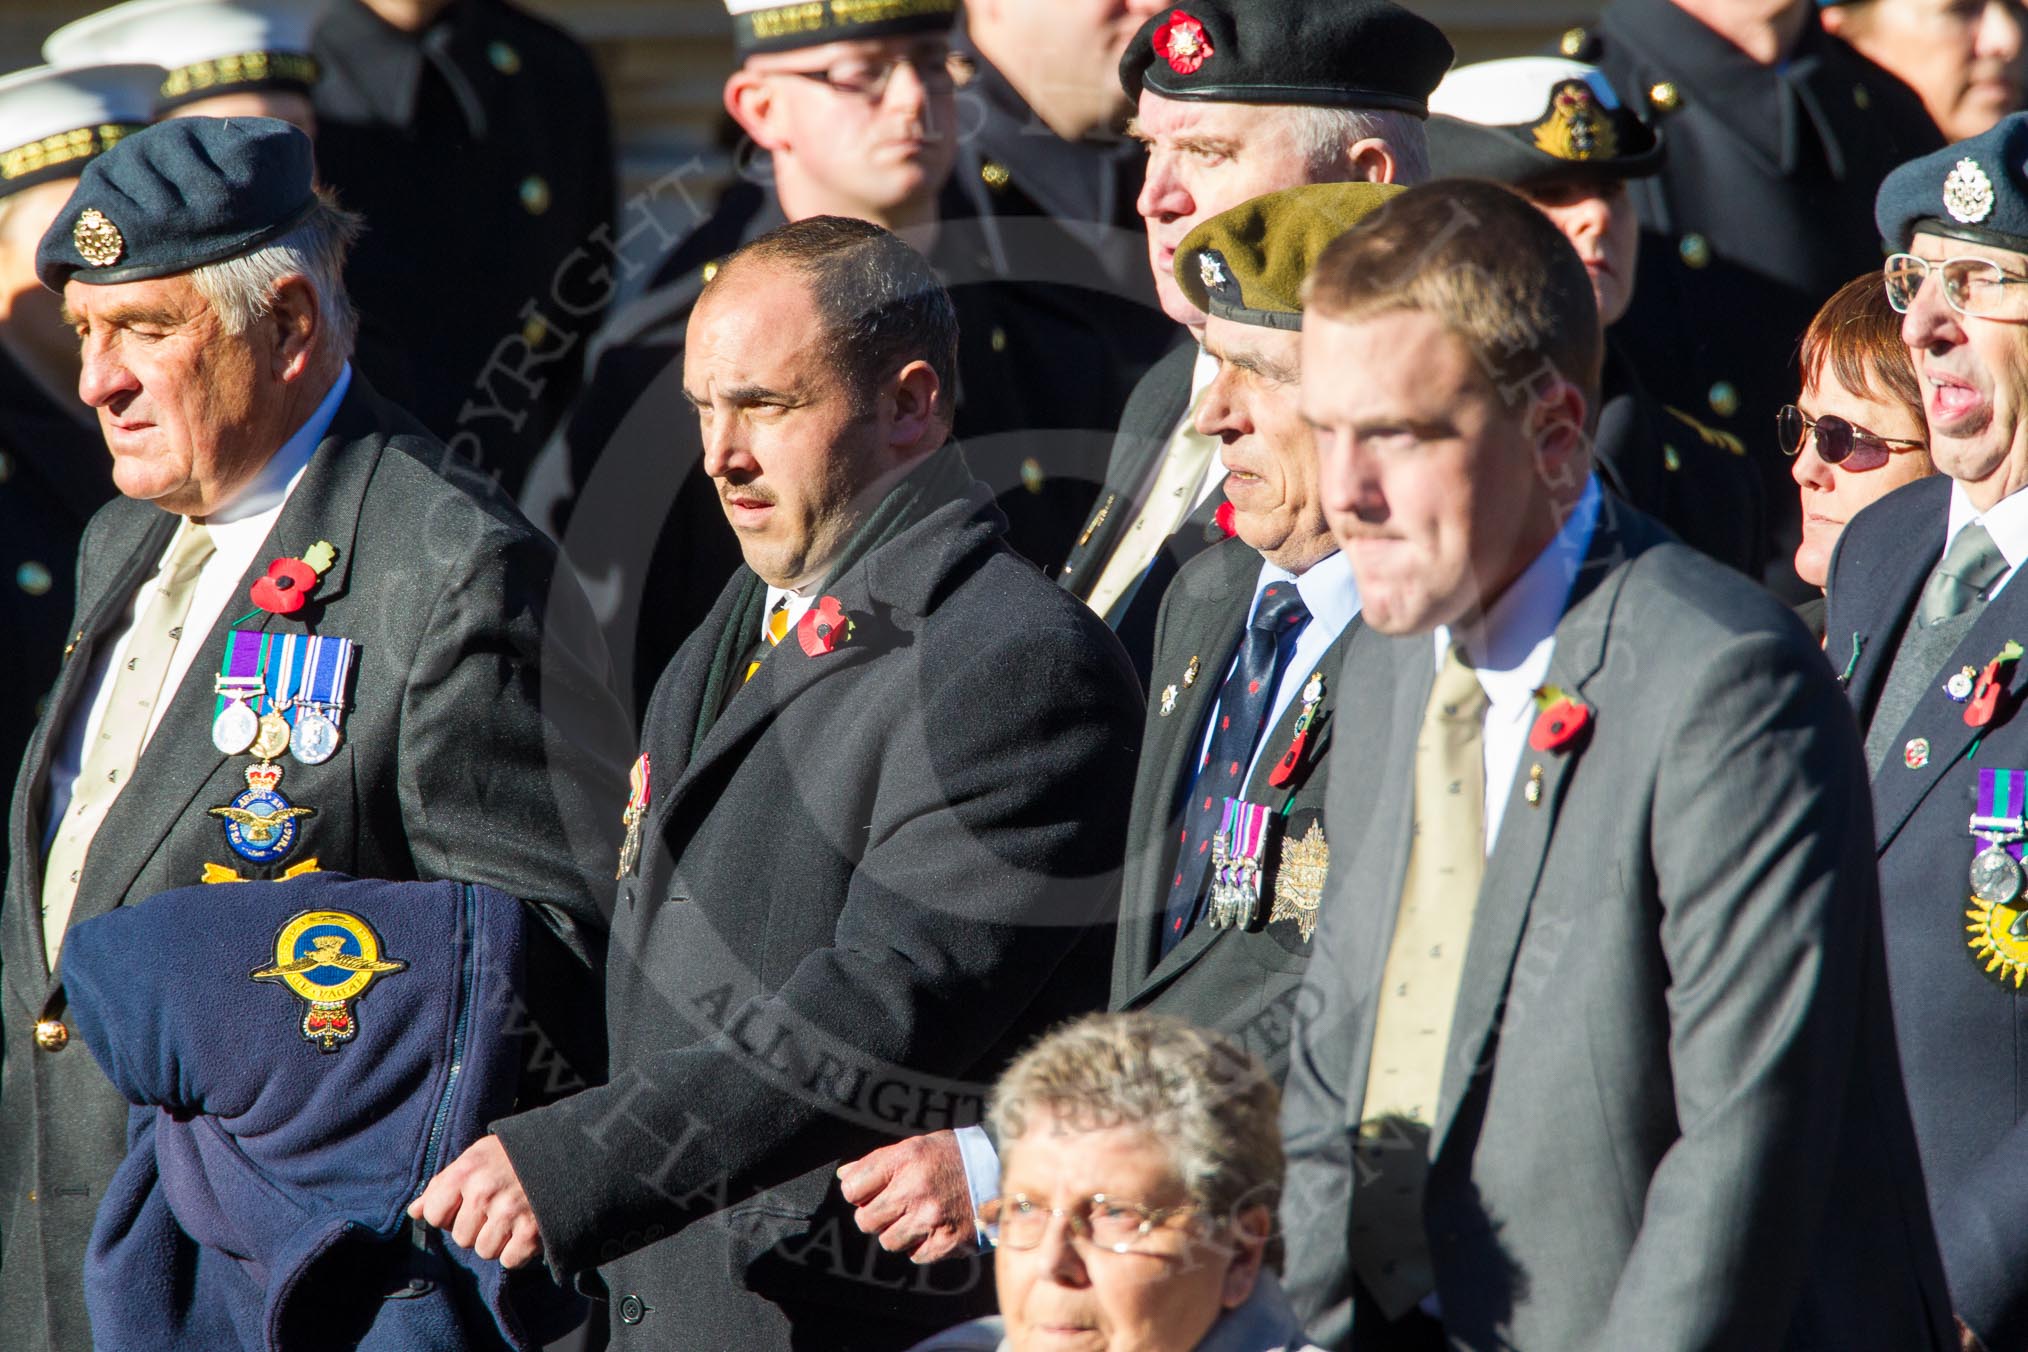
x=482 y=744
x=1242 y=982
x=1671 y=1113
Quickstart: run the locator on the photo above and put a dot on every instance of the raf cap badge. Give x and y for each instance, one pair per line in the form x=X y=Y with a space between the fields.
x=328 y=958
x=97 y=239
x=1968 y=193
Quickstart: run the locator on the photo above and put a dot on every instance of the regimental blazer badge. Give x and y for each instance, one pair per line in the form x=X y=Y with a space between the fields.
x=1576 y=128
x=1299 y=882
x=328 y=958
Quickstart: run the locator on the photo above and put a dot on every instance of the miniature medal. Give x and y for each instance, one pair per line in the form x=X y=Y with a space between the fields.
x=1959 y=687
x=327 y=959
x=635 y=814
x=272 y=739
x=1236 y=856
x=234 y=729
x=320 y=699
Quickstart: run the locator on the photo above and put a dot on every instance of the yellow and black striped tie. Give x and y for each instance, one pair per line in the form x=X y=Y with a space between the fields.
x=772 y=633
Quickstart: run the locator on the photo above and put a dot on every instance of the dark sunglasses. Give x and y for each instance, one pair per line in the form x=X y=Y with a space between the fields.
x=1838 y=442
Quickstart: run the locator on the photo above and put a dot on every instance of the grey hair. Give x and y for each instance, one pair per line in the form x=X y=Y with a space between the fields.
x=1208 y=1100
x=1323 y=135
x=242 y=289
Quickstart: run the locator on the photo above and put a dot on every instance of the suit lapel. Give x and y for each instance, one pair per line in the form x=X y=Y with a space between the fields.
x=1869 y=655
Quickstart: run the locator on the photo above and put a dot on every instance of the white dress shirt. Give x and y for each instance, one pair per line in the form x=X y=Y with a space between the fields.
x=1332 y=598
x=1509 y=650
x=238 y=530
x=2007 y=523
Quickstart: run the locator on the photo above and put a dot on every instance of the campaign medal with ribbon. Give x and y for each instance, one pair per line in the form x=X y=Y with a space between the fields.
x=328 y=959
x=240 y=685
x=1998 y=919
x=320 y=697
x=1237 y=856
x=260 y=824
x=638 y=783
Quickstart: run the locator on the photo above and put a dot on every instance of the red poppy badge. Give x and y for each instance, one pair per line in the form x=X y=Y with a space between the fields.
x=1561 y=722
x=823 y=627
x=291 y=583
x=1183 y=43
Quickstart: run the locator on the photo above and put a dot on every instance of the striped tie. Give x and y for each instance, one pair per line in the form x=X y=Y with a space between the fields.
x=772 y=633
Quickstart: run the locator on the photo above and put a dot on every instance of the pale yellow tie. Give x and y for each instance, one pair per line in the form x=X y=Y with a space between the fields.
x=1185 y=462
x=1419 y=991
x=772 y=634
x=109 y=759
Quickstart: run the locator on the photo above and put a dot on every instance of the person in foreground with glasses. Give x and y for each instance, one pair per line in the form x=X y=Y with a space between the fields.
x=1926 y=624
x=1142 y=1165
x=1856 y=432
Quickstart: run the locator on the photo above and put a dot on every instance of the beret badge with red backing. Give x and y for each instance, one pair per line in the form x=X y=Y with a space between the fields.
x=1183 y=43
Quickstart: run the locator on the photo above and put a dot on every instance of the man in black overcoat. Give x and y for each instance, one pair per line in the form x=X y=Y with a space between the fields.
x=872 y=841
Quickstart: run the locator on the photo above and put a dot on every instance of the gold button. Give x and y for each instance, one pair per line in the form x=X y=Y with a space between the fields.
x=504 y=58
x=1862 y=97
x=995 y=174
x=1724 y=399
x=1665 y=97
x=1670 y=459
x=71 y=646
x=999 y=339
x=1573 y=41
x=1032 y=477
x=534 y=331
x=1695 y=251
x=535 y=194
x=51 y=1035
x=6 y=467
x=33 y=578
x=710 y=271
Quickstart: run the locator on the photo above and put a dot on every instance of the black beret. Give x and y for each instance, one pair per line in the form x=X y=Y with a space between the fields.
x=1327 y=53
x=1531 y=118
x=178 y=195
x=1976 y=190
x=784 y=25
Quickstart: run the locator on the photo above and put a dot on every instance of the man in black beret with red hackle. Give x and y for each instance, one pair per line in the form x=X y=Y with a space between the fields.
x=1233 y=99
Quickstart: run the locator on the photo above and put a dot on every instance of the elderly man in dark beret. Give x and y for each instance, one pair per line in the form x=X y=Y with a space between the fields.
x=1233 y=100
x=304 y=641
x=1926 y=623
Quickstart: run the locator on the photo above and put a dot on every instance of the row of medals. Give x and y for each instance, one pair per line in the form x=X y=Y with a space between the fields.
x=237 y=729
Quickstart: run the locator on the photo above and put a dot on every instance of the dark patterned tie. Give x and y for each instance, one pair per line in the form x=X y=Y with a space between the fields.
x=1243 y=704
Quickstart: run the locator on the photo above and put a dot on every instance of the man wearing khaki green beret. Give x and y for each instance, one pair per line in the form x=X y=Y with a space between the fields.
x=1226 y=850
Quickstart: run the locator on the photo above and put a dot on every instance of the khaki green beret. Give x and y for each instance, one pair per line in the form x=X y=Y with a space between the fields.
x=1248 y=264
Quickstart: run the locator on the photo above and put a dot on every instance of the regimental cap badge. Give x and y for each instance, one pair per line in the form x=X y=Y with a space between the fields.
x=1576 y=128
x=1183 y=43
x=98 y=240
x=1968 y=193
x=328 y=958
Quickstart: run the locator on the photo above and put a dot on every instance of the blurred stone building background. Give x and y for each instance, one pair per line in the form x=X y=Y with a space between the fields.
x=664 y=61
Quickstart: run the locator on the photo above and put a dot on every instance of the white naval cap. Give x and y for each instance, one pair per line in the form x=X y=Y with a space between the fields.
x=53 y=121
x=207 y=47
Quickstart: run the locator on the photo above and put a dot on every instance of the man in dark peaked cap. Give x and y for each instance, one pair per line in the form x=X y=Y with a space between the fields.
x=1557 y=132
x=1926 y=617
x=1233 y=99
x=305 y=641
x=1778 y=134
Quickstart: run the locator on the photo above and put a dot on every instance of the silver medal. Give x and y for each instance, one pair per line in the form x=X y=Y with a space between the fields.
x=316 y=737
x=1996 y=876
x=235 y=728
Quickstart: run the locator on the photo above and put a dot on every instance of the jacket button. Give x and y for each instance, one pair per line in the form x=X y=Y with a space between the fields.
x=33 y=578
x=1665 y=97
x=1695 y=251
x=51 y=1035
x=632 y=1310
x=1724 y=399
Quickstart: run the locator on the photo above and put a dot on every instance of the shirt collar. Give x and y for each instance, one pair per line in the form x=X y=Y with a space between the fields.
x=1510 y=649
x=270 y=487
x=2006 y=522
x=1329 y=591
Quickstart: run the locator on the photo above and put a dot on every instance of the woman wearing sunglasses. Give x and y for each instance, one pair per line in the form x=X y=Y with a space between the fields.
x=1856 y=431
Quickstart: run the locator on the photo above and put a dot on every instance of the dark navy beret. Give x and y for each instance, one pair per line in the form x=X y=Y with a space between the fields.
x=179 y=195
x=1344 y=54
x=1975 y=190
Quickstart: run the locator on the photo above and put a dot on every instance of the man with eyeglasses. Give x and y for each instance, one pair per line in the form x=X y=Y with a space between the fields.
x=1927 y=625
x=846 y=111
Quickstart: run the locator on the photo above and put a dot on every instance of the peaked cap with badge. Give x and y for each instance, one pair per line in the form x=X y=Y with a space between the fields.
x=58 y=120
x=178 y=195
x=776 y=26
x=1248 y=264
x=206 y=47
x=1350 y=54
x=1975 y=190
x=1530 y=118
